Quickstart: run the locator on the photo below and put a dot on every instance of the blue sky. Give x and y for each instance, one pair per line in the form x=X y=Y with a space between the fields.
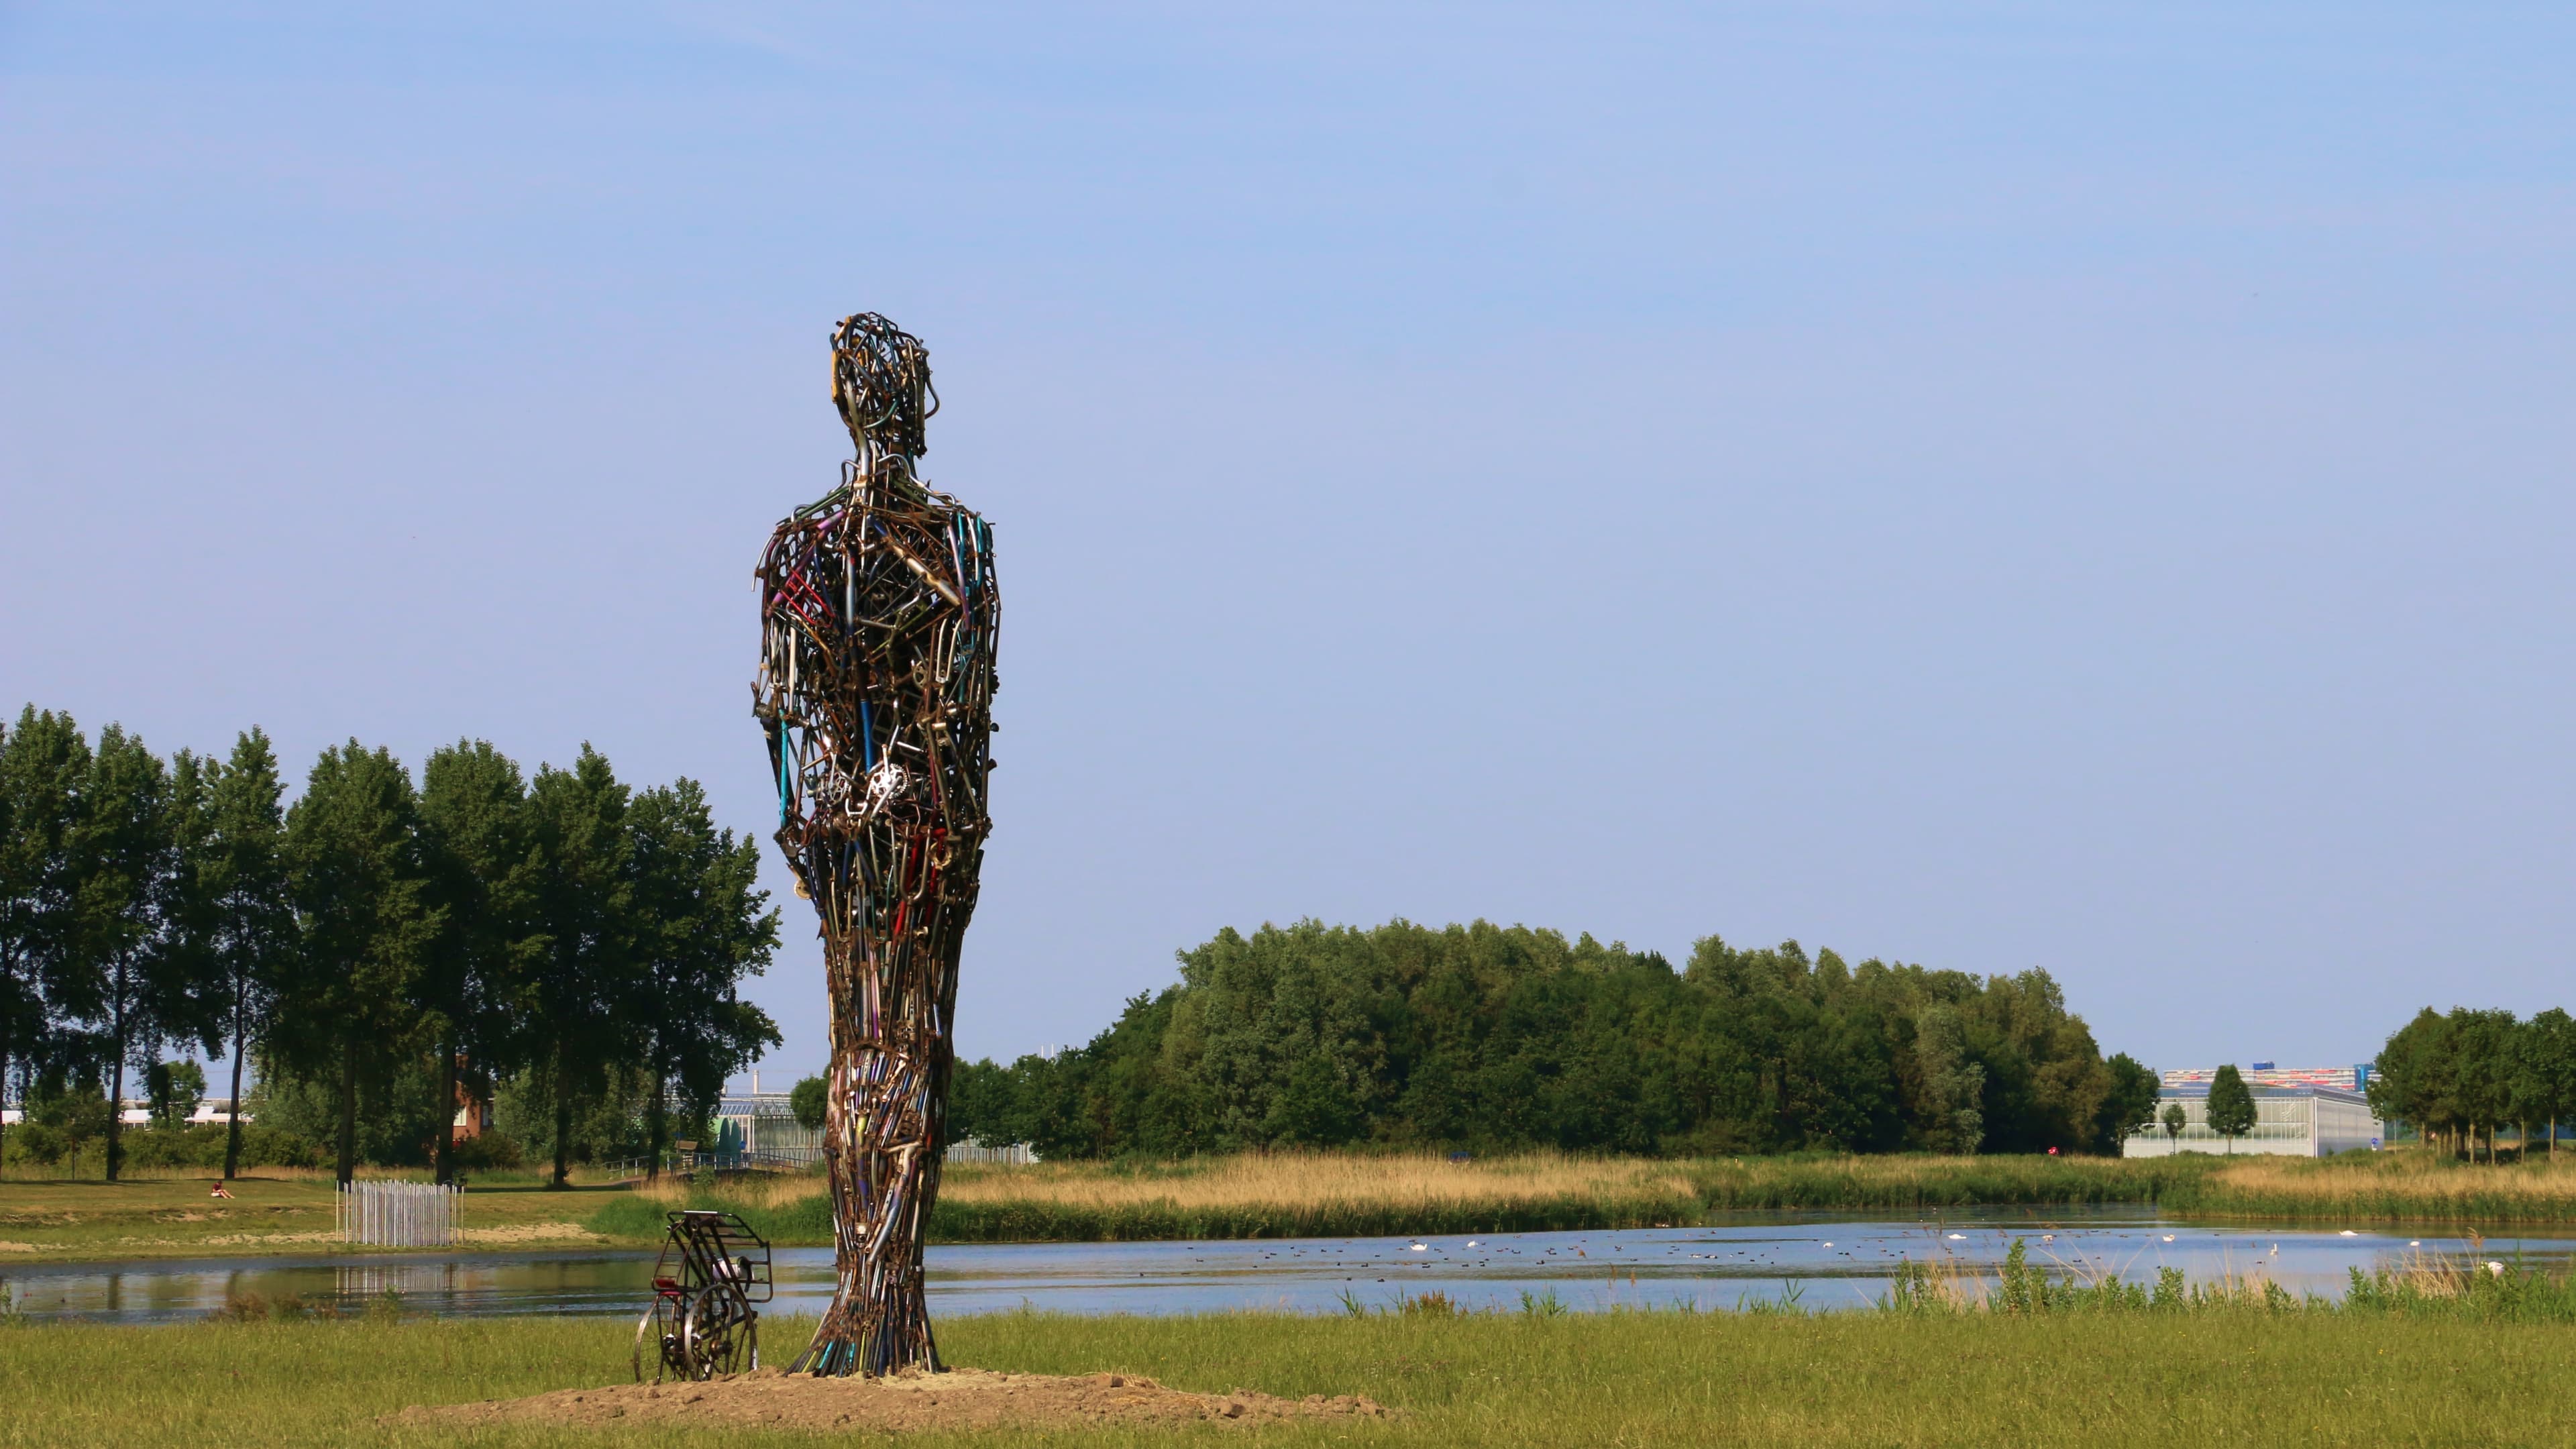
x=1990 y=486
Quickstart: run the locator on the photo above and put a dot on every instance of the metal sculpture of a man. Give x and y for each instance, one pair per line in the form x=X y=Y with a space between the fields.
x=876 y=689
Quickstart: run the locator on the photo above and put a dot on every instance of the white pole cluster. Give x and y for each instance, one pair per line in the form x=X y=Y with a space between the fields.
x=398 y=1214
x=1016 y=1154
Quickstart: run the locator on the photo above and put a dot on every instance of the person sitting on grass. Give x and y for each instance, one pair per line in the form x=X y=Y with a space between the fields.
x=220 y=1191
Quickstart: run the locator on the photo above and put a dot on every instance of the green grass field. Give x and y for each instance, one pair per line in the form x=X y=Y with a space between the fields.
x=1877 y=1380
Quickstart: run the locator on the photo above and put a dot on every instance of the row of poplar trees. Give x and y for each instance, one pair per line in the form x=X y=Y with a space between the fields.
x=2458 y=1076
x=562 y=926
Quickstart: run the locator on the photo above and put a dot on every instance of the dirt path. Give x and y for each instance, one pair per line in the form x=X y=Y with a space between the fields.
x=958 y=1399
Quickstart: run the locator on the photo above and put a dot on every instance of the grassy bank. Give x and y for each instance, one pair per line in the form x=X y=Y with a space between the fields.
x=1342 y=1195
x=2098 y=1378
x=1275 y=1196
x=2391 y=1187
x=1314 y=1195
x=1346 y=1195
x=276 y=1210
x=1915 y=1181
x=2388 y=1187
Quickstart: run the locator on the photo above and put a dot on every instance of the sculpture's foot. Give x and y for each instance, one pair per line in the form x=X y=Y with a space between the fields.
x=870 y=1343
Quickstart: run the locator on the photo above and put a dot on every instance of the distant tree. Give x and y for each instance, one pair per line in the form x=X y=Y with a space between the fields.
x=578 y=978
x=187 y=988
x=982 y=1105
x=2483 y=1044
x=2526 y=1092
x=65 y=1113
x=18 y=1004
x=2130 y=1105
x=124 y=969
x=174 y=1090
x=2448 y=1093
x=241 y=873
x=1954 y=1085
x=1056 y=1111
x=479 y=863
x=1477 y=1035
x=354 y=853
x=2548 y=1048
x=43 y=762
x=808 y=1101
x=2231 y=1105
x=698 y=927
x=2175 y=1120
x=1315 y=1108
x=21 y=1009
x=2418 y=1078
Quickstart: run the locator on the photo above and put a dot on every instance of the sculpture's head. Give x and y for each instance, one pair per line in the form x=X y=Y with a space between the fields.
x=881 y=384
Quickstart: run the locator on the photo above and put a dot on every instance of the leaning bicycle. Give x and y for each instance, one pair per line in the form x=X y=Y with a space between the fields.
x=703 y=1321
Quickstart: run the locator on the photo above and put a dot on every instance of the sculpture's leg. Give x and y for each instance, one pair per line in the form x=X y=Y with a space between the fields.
x=881 y=1132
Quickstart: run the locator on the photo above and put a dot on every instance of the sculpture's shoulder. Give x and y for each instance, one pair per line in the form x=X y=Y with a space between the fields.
x=948 y=507
x=813 y=518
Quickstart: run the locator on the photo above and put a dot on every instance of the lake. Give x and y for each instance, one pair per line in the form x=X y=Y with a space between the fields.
x=1821 y=1261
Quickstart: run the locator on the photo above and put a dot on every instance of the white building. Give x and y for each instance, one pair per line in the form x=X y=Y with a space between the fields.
x=138 y=1113
x=2298 y=1112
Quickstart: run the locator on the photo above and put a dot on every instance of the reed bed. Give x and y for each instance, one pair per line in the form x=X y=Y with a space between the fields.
x=2436 y=1285
x=1422 y=1177
x=1273 y=1195
x=1315 y=1194
x=2391 y=1187
x=1919 y=1180
x=2407 y=1186
x=2020 y=1286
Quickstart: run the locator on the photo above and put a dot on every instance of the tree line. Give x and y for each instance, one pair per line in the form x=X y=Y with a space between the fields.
x=2457 y=1077
x=1488 y=1037
x=563 y=939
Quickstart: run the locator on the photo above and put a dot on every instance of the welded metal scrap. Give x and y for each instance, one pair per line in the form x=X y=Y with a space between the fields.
x=876 y=690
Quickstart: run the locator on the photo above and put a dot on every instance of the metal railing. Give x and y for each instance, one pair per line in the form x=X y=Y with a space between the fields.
x=399 y=1214
x=754 y=1160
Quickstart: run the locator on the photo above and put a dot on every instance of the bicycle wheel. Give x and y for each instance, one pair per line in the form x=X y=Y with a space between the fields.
x=719 y=1334
x=653 y=1334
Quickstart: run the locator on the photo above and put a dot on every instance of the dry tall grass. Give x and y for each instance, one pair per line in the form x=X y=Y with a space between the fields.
x=1253 y=1180
x=1255 y=1195
x=767 y=1191
x=1305 y=1179
x=2408 y=1185
x=1266 y=1194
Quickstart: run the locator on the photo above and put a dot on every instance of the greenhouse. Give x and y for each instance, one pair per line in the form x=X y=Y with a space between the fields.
x=2313 y=1112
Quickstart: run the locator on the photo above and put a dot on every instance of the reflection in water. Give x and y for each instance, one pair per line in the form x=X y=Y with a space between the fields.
x=1827 y=1262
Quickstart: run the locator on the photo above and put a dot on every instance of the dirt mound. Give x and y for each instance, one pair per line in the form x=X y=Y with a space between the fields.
x=957 y=1399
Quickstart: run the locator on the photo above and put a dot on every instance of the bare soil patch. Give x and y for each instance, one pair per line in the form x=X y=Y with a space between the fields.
x=957 y=1399
x=529 y=1233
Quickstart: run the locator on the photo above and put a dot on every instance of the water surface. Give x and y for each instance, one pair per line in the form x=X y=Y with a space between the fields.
x=1820 y=1261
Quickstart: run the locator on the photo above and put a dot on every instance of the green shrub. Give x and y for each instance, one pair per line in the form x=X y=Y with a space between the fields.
x=202 y=1145
x=490 y=1152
